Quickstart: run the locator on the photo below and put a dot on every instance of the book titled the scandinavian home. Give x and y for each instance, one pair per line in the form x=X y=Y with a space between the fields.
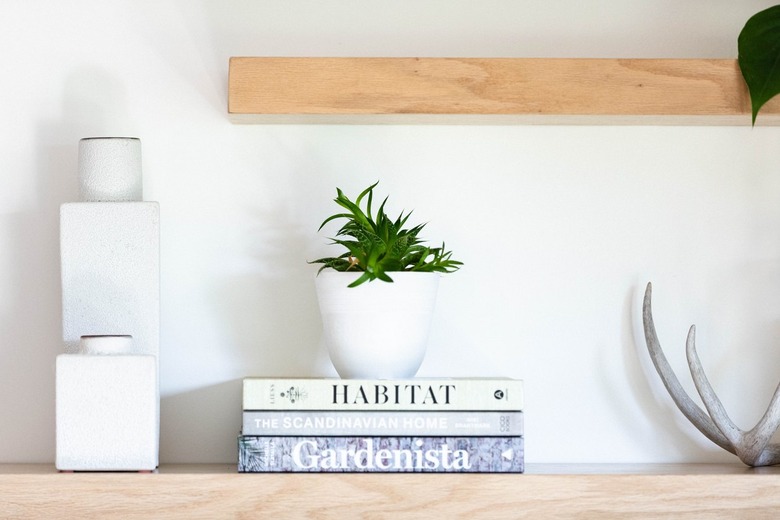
x=484 y=394
x=329 y=422
x=380 y=454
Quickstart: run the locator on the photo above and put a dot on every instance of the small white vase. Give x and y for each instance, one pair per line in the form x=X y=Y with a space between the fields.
x=377 y=330
x=106 y=345
x=110 y=169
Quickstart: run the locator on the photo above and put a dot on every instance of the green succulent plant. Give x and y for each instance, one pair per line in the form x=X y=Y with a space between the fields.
x=377 y=245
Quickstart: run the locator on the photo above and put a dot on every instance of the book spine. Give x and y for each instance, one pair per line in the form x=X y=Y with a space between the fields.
x=324 y=454
x=360 y=394
x=454 y=423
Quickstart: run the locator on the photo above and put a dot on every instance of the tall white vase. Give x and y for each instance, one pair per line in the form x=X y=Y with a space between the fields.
x=377 y=329
x=108 y=400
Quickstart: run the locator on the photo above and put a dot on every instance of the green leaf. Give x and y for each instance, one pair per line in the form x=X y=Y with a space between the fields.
x=365 y=277
x=759 y=57
x=377 y=245
x=369 y=191
x=333 y=217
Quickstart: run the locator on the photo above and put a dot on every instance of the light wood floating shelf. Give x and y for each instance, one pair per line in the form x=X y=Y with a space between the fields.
x=491 y=91
x=546 y=491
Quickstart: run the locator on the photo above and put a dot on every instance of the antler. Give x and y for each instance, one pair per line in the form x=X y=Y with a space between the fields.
x=752 y=447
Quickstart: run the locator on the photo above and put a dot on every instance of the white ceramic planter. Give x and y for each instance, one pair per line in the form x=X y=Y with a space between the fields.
x=377 y=330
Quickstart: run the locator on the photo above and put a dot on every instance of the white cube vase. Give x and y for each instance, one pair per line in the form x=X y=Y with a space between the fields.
x=107 y=380
x=107 y=408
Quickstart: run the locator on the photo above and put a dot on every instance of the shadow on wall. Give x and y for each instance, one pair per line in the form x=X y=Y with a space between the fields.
x=31 y=321
x=272 y=314
x=271 y=324
x=194 y=423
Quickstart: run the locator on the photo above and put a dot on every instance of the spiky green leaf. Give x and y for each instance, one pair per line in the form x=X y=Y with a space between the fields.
x=378 y=245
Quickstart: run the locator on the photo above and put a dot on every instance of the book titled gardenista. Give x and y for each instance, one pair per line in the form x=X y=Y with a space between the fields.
x=380 y=454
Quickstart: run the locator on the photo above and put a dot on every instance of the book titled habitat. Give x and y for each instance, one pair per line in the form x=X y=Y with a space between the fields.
x=484 y=394
x=380 y=454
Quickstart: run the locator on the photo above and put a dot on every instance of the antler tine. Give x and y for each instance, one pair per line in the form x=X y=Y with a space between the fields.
x=711 y=401
x=763 y=431
x=686 y=405
x=771 y=418
x=751 y=447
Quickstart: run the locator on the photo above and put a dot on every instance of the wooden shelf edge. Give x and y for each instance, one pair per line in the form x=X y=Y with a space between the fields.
x=217 y=491
x=490 y=91
x=499 y=120
x=659 y=469
x=8 y=470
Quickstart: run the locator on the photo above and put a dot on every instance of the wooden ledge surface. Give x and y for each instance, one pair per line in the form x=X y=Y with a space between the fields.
x=546 y=491
x=491 y=91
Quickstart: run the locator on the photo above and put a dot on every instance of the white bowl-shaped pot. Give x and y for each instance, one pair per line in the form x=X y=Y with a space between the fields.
x=377 y=330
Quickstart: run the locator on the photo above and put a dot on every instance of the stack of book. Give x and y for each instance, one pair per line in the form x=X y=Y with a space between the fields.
x=351 y=425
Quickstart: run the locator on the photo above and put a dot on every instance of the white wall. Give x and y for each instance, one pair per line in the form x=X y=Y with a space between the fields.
x=559 y=227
